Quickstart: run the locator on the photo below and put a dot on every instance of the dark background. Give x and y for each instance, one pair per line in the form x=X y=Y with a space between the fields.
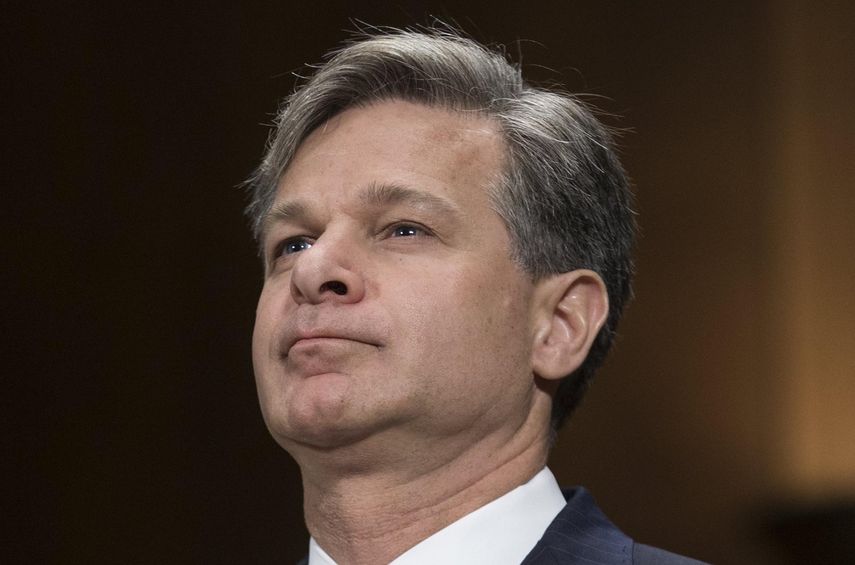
x=132 y=428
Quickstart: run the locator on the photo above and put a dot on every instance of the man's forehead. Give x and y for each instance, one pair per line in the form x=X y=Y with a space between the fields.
x=410 y=136
x=436 y=126
x=393 y=152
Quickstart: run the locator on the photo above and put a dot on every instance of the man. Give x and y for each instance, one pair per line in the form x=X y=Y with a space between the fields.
x=446 y=254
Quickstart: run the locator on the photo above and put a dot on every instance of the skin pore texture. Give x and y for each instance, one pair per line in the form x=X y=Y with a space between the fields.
x=401 y=356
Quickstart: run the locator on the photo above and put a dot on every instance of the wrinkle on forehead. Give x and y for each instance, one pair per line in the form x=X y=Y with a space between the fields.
x=470 y=128
x=407 y=143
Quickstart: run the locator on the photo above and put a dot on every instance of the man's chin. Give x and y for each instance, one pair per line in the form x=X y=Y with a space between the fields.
x=320 y=415
x=352 y=444
x=321 y=437
x=333 y=414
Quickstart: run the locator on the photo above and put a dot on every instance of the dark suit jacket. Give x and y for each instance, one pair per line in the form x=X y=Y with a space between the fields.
x=582 y=535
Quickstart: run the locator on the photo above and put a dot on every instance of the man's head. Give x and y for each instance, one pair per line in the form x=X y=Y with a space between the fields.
x=542 y=164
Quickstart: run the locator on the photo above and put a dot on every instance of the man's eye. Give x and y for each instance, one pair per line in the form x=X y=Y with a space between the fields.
x=293 y=246
x=407 y=230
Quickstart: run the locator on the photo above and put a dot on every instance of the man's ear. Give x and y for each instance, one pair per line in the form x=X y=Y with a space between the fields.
x=571 y=309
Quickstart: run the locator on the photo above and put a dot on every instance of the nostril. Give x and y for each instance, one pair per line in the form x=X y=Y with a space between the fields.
x=337 y=287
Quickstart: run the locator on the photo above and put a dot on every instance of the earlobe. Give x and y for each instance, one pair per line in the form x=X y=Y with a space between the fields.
x=572 y=307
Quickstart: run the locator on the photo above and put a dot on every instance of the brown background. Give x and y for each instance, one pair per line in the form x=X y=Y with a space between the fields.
x=132 y=430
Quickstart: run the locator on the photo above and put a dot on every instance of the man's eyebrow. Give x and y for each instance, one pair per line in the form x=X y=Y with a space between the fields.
x=386 y=194
x=284 y=212
x=374 y=195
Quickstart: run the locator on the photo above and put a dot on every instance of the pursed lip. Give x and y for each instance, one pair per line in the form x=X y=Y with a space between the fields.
x=318 y=336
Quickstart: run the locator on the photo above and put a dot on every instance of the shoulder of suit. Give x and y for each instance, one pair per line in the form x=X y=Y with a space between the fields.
x=647 y=555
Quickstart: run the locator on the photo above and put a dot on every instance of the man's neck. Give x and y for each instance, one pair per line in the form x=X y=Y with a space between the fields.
x=372 y=517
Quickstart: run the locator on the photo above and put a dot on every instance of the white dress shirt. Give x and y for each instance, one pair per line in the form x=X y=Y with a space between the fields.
x=502 y=531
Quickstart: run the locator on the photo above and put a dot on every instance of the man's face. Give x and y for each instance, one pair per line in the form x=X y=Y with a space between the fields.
x=391 y=308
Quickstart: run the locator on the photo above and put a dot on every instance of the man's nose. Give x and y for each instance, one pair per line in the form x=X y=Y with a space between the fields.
x=326 y=272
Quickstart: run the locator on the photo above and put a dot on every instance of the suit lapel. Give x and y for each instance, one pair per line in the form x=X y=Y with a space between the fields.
x=581 y=534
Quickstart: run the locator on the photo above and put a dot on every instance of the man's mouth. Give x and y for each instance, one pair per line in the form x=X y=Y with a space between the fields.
x=306 y=341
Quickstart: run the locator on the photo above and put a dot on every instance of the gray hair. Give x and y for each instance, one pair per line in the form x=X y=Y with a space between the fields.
x=564 y=196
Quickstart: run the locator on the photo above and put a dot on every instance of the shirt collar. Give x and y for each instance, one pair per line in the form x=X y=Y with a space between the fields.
x=502 y=531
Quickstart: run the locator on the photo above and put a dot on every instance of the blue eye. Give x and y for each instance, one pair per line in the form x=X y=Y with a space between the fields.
x=294 y=246
x=406 y=230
